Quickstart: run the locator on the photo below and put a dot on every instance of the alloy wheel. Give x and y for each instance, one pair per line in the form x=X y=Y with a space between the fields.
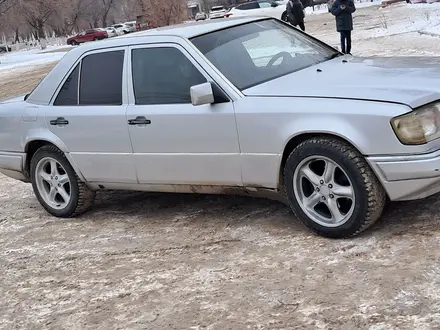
x=53 y=183
x=324 y=191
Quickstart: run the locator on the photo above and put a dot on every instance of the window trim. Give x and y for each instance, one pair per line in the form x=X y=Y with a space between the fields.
x=79 y=61
x=130 y=84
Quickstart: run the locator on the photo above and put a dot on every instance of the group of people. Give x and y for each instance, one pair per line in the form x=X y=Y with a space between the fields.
x=341 y=9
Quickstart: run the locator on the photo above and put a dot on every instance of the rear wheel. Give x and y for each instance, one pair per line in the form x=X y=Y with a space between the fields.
x=56 y=185
x=331 y=188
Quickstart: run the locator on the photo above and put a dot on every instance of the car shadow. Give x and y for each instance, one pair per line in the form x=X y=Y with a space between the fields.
x=419 y=217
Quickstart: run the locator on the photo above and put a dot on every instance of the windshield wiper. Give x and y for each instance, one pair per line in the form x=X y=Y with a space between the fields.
x=334 y=55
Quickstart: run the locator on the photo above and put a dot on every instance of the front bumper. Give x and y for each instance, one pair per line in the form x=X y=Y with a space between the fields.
x=408 y=177
x=12 y=164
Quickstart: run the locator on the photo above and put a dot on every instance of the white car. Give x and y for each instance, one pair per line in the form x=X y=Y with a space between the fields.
x=121 y=29
x=200 y=16
x=217 y=12
x=258 y=8
x=131 y=26
x=111 y=32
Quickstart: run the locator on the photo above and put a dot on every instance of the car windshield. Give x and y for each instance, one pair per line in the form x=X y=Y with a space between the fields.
x=253 y=53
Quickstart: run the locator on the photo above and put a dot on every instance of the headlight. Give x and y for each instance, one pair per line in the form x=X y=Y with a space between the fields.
x=419 y=126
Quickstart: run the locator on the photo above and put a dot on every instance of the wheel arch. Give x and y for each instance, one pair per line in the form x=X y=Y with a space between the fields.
x=296 y=140
x=33 y=145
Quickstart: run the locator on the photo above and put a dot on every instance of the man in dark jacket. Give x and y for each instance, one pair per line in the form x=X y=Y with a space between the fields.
x=295 y=13
x=343 y=10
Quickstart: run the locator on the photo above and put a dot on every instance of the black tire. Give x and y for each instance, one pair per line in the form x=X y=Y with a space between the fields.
x=369 y=194
x=82 y=197
x=95 y=39
x=284 y=16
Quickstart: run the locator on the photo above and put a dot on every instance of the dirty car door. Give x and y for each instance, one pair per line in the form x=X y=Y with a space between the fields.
x=178 y=143
x=88 y=115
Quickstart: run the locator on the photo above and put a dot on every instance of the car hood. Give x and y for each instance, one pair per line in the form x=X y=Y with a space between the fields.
x=413 y=81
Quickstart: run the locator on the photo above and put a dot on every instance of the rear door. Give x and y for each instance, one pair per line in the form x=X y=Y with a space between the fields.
x=88 y=115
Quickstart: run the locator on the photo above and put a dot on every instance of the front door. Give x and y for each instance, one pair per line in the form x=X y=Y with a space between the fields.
x=175 y=142
x=88 y=115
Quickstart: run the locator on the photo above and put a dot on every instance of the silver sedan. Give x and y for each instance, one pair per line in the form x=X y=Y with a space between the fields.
x=237 y=106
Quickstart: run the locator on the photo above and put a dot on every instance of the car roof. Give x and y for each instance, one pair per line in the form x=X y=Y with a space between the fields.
x=194 y=29
x=44 y=91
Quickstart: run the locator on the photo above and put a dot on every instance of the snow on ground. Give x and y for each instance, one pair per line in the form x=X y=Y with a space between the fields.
x=33 y=57
x=398 y=30
x=320 y=9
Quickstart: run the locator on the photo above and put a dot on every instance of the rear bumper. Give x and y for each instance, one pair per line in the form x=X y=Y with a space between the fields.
x=408 y=177
x=12 y=165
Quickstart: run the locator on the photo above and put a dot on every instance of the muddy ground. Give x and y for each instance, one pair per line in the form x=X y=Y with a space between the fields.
x=154 y=261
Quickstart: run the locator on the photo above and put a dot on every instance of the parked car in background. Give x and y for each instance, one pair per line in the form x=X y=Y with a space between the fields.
x=111 y=32
x=201 y=16
x=121 y=28
x=257 y=8
x=88 y=35
x=132 y=26
x=5 y=48
x=217 y=12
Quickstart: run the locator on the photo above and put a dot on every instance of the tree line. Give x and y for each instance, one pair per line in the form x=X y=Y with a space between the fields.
x=22 y=18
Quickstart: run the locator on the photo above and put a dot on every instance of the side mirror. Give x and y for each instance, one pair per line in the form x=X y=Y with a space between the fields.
x=202 y=94
x=274 y=4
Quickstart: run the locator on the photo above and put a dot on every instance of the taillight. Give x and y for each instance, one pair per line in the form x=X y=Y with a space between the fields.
x=228 y=15
x=138 y=26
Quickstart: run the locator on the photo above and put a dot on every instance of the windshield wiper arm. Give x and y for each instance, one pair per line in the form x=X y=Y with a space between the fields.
x=334 y=55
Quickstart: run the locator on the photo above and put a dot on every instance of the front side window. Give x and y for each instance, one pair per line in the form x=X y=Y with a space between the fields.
x=163 y=76
x=101 y=79
x=261 y=51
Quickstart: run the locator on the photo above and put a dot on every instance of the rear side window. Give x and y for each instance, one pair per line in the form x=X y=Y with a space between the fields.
x=68 y=94
x=163 y=76
x=101 y=79
x=264 y=4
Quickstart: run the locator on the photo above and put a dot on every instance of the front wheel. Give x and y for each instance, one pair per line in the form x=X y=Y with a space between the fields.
x=331 y=188
x=56 y=185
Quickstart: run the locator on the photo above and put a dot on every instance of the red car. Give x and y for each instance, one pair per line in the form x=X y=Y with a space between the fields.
x=88 y=35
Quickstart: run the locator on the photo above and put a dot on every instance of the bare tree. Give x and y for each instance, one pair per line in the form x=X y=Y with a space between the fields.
x=164 y=12
x=37 y=13
x=68 y=16
x=13 y=23
x=5 y=5
x=106 y=7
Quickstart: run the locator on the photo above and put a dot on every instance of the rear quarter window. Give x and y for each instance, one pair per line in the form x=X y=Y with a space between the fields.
x=68 y=94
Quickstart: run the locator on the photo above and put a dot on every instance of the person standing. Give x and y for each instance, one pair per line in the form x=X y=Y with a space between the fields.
x=343 y=10
x=295 y=13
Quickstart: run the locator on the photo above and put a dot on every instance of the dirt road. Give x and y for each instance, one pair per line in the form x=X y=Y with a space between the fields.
x=153 y=261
